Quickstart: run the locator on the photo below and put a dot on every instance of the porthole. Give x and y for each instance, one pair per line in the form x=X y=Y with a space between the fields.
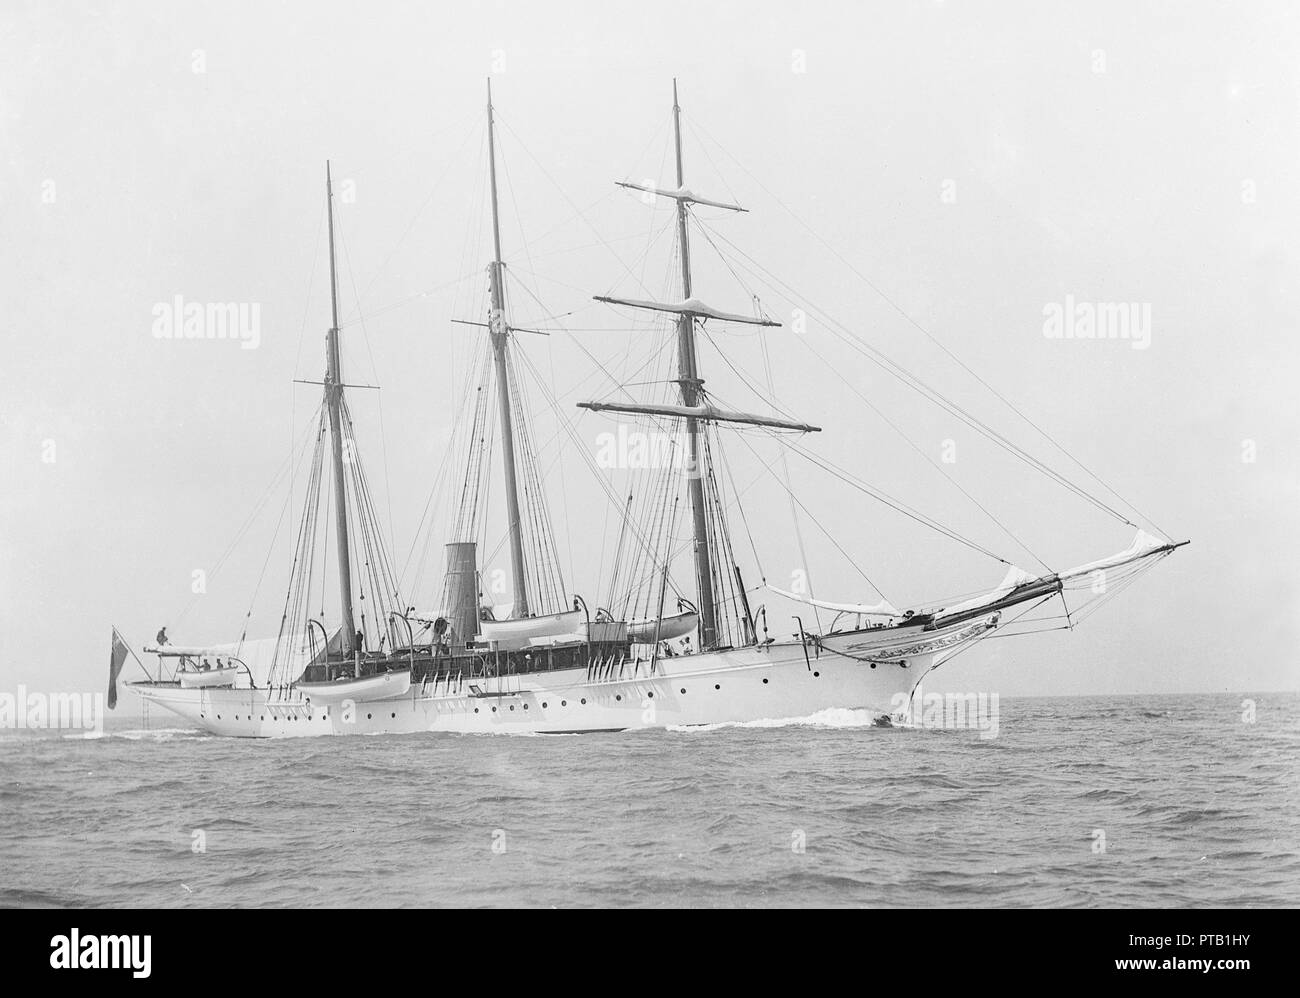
x=202 y=716
x=617 y=696
x=584 y=699
x=651 y=695
x=393 y=715
x=367 y=717
x=816 y=674
x=262 y=718
x=765 y=680
x=716 y=686
x=543 y=705
x=512 y=706
x=218 y=717
x=683 y=689
x=564 y=703
x=873 y=665
x=526 y=706
x=494 y=710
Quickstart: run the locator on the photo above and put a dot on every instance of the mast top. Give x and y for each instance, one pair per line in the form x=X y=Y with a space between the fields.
x=335 y=374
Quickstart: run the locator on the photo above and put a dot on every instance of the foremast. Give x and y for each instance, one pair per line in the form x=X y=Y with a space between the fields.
x=695 y=408
x=334 y=403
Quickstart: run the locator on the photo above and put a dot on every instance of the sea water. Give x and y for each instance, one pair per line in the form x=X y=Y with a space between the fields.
x=1186 y=800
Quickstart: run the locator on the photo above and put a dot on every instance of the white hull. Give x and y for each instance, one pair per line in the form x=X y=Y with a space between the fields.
x=745 y=684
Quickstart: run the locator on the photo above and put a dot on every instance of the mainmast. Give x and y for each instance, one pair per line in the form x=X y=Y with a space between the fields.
x=499 y=330
x=689 y=381
x=334 y=399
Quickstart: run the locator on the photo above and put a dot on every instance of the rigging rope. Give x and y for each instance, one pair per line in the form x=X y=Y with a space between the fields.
x=930 y=394
x=862 y=277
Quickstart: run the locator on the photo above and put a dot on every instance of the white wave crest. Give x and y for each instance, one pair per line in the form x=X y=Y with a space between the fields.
x=142 y=734
x=832 y=717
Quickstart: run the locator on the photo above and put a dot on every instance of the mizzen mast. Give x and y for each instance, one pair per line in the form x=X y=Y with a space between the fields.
x=499 y=330
x=334 y=401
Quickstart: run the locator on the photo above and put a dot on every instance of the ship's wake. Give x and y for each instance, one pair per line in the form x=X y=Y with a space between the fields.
x=832 y=717
x=144 y=734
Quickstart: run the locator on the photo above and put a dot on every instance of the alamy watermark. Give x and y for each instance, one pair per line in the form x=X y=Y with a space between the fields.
x=950 y=711
x=37 y=711
x=76 y=951
x=1104 y=320
x=182 y=320
x=629 y=448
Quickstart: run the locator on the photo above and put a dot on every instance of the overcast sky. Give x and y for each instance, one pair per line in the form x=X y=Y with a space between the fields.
x=954 y=167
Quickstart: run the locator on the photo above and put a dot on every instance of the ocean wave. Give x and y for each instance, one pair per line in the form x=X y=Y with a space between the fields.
x=26 y=897
x=782 y=812
x=143 y=734
x=835 y=717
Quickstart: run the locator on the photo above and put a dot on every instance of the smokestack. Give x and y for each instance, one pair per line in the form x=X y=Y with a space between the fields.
x=461 y=587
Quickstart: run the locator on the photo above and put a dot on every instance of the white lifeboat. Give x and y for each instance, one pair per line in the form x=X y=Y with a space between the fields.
x=510 y=635
x=381 y=686
x=666 y=628
x=204 y=679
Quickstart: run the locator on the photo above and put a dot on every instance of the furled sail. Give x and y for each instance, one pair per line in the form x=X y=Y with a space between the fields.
x=1014 y=579
x=680 y=194
x=1143 y=546
x=707 y=412
x=882 y=609
x=691 y=306
x=1020 y=587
